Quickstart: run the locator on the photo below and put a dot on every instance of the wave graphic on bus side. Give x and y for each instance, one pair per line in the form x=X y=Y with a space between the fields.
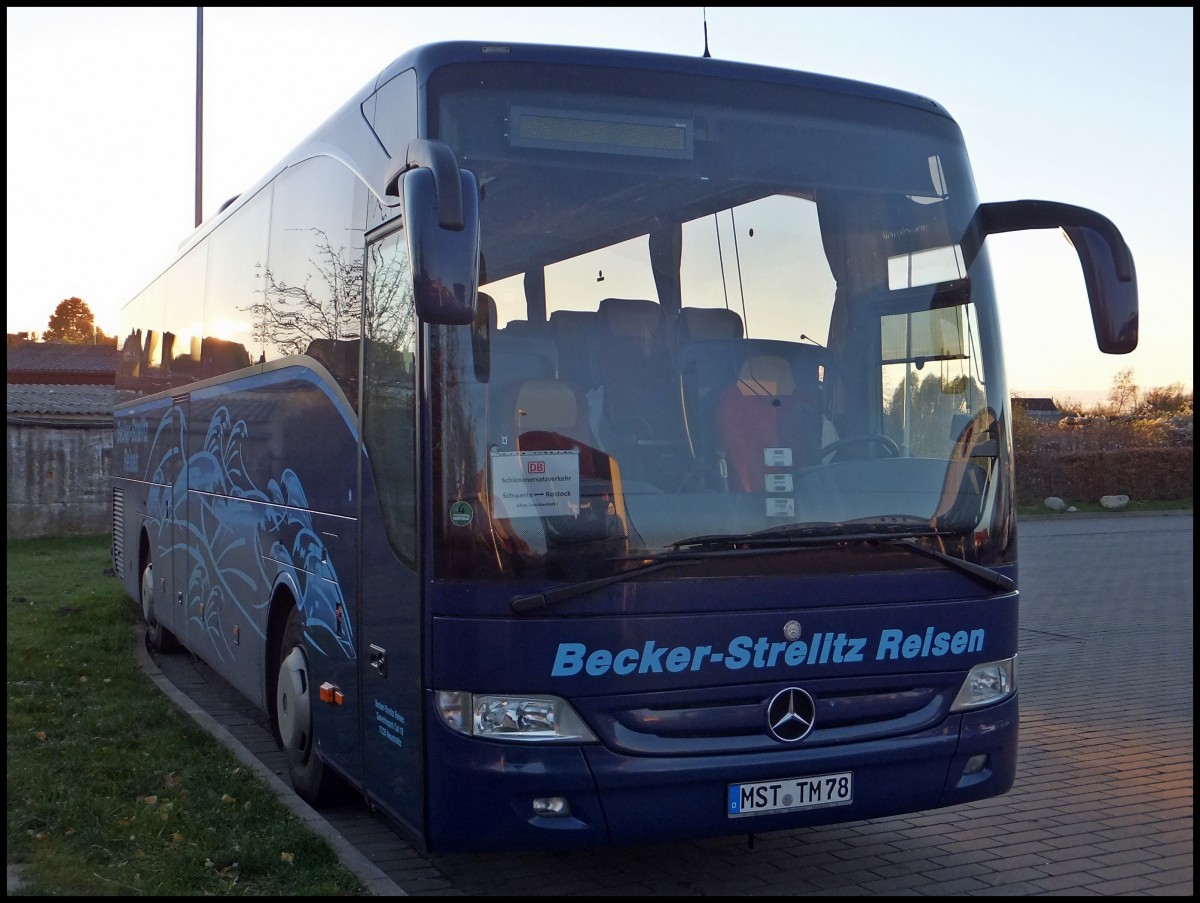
x=204 y=520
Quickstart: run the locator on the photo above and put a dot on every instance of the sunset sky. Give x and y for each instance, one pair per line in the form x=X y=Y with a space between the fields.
x=1088 y=106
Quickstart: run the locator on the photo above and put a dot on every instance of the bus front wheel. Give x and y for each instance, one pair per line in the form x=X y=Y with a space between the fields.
x=294 y=698
x=158 y=637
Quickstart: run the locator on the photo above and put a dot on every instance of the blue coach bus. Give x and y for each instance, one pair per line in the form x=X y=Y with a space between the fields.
x=570 y=447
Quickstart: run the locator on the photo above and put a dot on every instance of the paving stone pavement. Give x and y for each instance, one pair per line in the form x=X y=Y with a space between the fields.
x=1102 y=803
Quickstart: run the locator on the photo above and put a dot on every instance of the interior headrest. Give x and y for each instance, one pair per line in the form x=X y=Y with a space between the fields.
x=766 y=374
x=572 y=322
x=630 y=316
x=703 y=323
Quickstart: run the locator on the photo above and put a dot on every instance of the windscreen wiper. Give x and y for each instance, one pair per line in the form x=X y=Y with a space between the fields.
x=650 y=562
x=900 y=530
x=534 y=601
x=987 y=575
x=817 y=533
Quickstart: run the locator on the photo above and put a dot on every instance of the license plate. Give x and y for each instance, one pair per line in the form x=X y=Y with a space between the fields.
x=791 y=794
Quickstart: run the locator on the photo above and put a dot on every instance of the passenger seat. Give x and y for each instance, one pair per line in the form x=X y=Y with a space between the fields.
x=642 y=417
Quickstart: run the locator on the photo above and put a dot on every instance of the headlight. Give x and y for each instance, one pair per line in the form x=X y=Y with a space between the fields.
x=987 y=683
x=512 y=717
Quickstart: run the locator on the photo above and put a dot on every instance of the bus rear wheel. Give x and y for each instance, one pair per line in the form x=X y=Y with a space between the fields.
x=294 y=698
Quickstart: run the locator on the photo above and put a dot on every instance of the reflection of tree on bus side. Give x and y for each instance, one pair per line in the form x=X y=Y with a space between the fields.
x=327 y=302
x=390 y=321
x=324 y=303
x=324 y=312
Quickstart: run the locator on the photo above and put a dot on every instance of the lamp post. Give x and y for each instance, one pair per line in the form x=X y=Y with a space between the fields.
x=199 y=113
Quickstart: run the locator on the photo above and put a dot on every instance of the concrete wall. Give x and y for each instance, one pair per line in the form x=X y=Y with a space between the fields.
x=59 y=479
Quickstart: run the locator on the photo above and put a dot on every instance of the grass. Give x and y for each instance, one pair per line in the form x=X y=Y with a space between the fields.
x=111 y=790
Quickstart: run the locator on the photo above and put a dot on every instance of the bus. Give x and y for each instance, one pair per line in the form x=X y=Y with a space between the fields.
x=569 y=447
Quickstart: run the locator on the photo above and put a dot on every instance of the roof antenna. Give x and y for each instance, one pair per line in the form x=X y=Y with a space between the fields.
x=704 y=16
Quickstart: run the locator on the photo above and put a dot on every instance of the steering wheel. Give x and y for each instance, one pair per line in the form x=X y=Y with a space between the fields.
x=884 y=442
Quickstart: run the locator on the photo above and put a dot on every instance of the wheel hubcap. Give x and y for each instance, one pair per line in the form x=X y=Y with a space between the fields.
x=292 y=705
x=148 y=594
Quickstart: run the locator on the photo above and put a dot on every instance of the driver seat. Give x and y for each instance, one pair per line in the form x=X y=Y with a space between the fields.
x=769 y=424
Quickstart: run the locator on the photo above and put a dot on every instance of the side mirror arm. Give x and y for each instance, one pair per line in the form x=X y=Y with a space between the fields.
x=437 y=157
x=1107 y=262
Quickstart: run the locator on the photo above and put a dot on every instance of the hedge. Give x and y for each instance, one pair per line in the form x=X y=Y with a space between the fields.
x=1085 y=476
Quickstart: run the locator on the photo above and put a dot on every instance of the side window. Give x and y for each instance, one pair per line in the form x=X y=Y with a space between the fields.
x=139 y=366
x=237 y=249
x=389 y=414
x=183 y=326
x=392 y=112
x=930 y=378
x=310 y=293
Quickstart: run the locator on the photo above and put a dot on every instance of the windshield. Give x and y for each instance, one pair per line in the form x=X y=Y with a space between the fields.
x=708 y=308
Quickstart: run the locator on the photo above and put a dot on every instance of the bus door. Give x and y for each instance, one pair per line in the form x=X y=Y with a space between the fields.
x=389 y=637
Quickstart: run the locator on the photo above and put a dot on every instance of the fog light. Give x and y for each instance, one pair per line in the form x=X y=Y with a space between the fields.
x=551 y=807
x=975 y=764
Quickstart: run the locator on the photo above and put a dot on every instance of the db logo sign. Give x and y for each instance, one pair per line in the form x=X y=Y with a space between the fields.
x=537 y=466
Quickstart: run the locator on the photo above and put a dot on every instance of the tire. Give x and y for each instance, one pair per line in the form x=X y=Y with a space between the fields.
x=158 y=637
x=295 y=696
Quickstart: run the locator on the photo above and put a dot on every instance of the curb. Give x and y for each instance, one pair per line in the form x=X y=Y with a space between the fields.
x=369 y=875
x=1067 y=515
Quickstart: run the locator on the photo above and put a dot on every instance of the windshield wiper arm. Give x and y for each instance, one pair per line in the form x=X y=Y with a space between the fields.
x=533 y=601
x=897 y=530
x=818 y=533
x=653 y=562
x=773 y=536
x=885 y=533
x=987 y=575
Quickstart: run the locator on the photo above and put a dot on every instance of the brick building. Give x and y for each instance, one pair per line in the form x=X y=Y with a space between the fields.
x=60 y=438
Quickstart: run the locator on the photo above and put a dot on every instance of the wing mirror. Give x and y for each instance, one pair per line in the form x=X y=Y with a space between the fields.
x=441 y=226
x=1107 y=262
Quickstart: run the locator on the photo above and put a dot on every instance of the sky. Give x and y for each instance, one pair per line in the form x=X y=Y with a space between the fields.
x=1088 y=106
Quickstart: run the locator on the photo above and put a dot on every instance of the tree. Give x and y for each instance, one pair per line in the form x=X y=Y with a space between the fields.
x=1123 y=395
x=1166 y=400
x=71 y=323
x=926 y=416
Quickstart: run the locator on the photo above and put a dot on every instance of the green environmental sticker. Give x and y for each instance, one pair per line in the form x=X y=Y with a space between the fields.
x=460 y=514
